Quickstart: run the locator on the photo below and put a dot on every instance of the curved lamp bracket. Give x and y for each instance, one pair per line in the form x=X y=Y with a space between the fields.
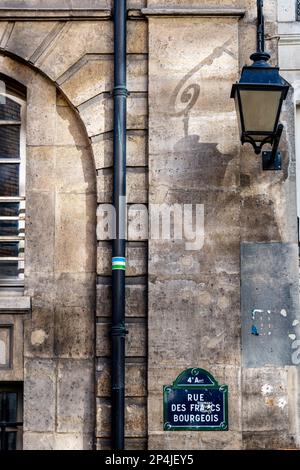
x=272 y=159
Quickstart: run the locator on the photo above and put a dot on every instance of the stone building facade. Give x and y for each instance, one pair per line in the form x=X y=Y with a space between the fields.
x=184 y=307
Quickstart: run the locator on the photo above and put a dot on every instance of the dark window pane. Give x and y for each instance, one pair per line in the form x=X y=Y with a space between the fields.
x=10 y=414
x=9 y=110
x=9 y=228
x=9 y=141
x=11 y=440
x=11 y=407
x=9 y=270
x=9 y=249
x=9 y=209
x=2 y=396
x=9 y=179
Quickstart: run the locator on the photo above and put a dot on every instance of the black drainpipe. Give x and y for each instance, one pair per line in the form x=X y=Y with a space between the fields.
x=118 y=330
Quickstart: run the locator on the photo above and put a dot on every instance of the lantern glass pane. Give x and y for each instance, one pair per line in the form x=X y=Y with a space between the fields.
x=260 y=109
x=237 y=107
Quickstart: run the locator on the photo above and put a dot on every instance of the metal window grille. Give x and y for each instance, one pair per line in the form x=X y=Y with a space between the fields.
x=298 y=10
x=10 y=414
x=12 y=191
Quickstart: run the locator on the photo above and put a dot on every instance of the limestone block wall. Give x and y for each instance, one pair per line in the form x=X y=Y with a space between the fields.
x=200 y=302
x=57 y=343
x=137 y=247
x=72 y=45
x=183 y=308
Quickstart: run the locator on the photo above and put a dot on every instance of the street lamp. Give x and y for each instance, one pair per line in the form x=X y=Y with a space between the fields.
x=259 y=96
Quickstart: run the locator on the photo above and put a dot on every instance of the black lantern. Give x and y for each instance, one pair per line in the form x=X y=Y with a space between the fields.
x=259 y=96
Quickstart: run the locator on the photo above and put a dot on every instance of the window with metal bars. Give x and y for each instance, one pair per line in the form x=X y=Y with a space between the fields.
x=12 y=188
x=298 y=10
x=11 y=411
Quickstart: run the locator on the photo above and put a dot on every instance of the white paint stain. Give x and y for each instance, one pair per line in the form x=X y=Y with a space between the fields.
x=38 y=337
x=269 y=311
x=255 y=311
x=292 y=337
x=283 y=312
x=266 y=389
x=295 y=322
x=281 y=402
x=296 y=353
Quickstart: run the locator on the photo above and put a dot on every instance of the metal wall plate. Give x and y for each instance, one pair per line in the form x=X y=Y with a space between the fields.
x=270 y=164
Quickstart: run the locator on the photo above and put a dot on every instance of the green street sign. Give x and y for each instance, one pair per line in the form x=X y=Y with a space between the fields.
x=195 y=402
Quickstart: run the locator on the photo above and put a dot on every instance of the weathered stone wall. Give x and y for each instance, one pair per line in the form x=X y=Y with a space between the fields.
x=77 y=57
x=196 y=318
x=136 y=274
x=197 y=310
x=59 y=270
x=194 y=295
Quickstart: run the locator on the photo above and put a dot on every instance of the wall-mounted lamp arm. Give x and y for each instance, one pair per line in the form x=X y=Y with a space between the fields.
x=272 y=159
x=260 y=54
x=260 y=27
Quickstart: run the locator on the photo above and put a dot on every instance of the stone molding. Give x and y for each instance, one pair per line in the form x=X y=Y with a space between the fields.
x=210 y=12
x=15 y=304
x=80 y=14
x=290 y=40
x=32 y=14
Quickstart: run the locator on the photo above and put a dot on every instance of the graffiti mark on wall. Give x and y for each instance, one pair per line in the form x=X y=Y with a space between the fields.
x=263 y=325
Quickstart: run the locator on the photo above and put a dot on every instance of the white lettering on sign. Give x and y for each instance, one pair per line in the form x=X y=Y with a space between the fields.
x=194 y=380
x=195 y=397
x=187 y=418
x=179 y=407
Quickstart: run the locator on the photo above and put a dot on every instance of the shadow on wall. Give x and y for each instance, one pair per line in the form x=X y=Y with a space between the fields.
x=202 y=161
x=81 y=178
x=205 y=175
x=206 y=172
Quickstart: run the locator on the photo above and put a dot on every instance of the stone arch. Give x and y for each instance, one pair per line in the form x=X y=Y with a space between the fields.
x=23 y=78
x=60 y=268
x=70 y=54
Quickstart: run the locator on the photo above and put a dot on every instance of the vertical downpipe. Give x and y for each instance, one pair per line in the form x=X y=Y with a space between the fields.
x=118 y=331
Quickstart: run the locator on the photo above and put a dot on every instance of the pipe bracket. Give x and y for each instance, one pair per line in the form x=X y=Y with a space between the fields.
x=120 y=91
x=119 y=330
